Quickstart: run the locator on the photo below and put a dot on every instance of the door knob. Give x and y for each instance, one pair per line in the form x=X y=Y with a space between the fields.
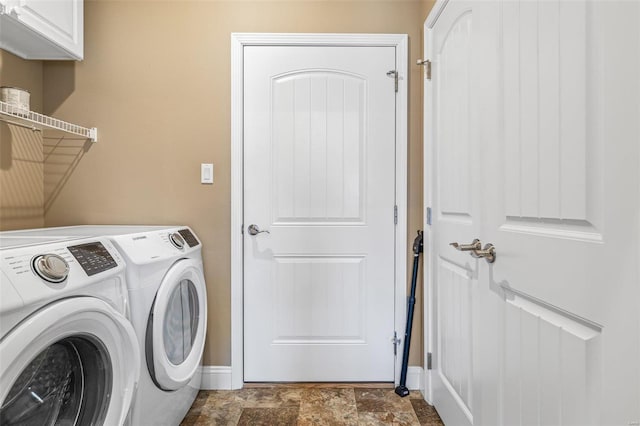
x=254 y=230
x=475 y=245
x=487 y=253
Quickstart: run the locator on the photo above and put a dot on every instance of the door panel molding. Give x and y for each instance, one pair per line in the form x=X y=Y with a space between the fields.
x=238 y=42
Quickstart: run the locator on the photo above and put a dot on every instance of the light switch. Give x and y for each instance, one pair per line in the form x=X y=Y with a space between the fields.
x=206 y=173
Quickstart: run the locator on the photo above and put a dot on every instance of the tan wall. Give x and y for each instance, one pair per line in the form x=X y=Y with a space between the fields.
x=156 y=83
x=21 y=157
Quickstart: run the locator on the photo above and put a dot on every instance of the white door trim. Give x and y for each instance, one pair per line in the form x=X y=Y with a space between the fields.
x=433 y=16
x=238 y=41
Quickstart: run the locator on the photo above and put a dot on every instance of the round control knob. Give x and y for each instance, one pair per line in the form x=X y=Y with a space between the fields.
x=177 y=240
x=51 y=267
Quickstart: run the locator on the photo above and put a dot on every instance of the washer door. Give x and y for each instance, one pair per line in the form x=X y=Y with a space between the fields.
x=177 y=326
x=74 y=362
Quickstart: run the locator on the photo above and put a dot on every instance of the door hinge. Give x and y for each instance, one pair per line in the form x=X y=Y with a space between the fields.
x=396 y=341
x=428 y=215
x=395 y=215
x=427 y=67
x=428 y=360
x=394 y=75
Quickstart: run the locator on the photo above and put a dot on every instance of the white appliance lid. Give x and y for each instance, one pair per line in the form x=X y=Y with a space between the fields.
x=83 y=231
x=9 y=242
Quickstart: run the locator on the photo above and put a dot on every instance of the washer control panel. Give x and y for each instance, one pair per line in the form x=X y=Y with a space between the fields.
x=93 y=257
x=24 y=262
x=51 y=267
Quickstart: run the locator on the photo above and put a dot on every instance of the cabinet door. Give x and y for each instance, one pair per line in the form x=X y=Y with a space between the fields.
x=43 y=29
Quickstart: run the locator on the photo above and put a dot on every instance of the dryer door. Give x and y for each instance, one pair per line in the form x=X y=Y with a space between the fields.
x=73 y=362
x=177 y=326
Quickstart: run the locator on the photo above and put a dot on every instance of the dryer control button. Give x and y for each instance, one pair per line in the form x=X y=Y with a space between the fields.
x=51 y=267
x=177 y=240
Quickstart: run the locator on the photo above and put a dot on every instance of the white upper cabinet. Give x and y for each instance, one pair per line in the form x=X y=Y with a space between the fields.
x=42 y=29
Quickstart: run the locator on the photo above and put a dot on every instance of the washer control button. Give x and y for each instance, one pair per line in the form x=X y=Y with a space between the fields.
x=51 y=267
x=177 y=240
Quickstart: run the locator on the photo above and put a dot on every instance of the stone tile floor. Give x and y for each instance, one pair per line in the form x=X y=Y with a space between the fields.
x=325 y=404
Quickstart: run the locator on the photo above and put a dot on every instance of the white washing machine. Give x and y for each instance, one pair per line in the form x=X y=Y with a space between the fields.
x=68 y=353
x=167 y=293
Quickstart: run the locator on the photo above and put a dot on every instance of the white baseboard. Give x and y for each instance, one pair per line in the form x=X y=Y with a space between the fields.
x=415 y=378
x=219 y=378
x=216 y=377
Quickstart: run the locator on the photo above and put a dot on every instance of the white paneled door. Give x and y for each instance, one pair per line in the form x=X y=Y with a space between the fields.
x=450 y=169
x=554 y=107
x=319 y=161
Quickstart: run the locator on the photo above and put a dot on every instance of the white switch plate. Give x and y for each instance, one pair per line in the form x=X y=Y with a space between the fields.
x=206 y=173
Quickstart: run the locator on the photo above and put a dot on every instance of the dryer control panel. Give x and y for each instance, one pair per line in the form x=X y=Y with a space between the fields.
x=189 y=237
x=93 y=257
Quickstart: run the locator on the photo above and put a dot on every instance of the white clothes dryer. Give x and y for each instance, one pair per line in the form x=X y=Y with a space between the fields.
x=168 y=299
x=68 y=353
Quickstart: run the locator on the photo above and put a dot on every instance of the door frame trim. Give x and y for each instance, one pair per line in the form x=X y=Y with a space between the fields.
x=238 y=41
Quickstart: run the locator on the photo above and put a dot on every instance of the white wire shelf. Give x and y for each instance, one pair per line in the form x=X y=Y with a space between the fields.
x=21 y=117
